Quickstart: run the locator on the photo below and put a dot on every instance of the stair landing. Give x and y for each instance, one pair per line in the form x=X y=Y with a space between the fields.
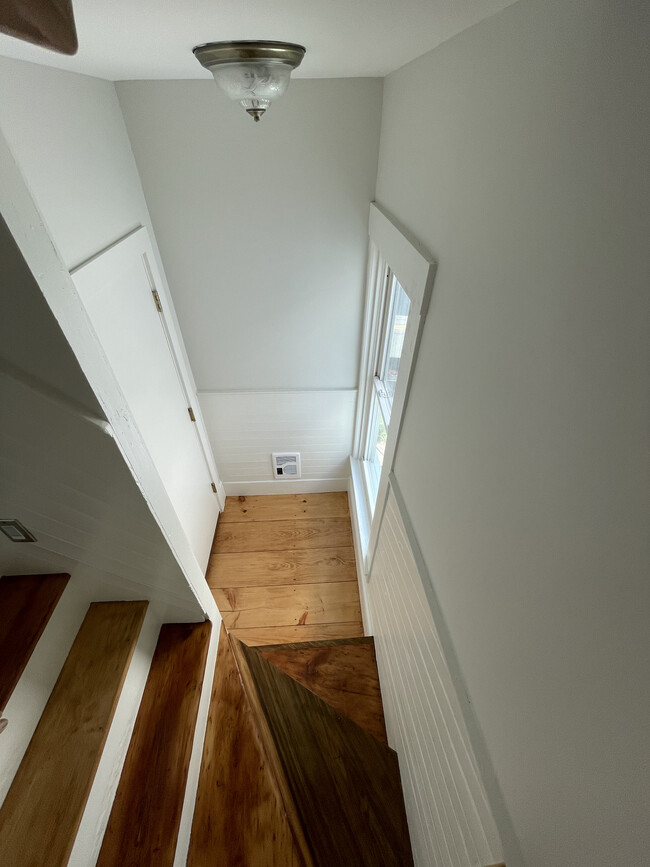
x=282 y=569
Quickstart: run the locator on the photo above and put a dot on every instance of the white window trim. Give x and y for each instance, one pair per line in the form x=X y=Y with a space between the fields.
x=391 y=251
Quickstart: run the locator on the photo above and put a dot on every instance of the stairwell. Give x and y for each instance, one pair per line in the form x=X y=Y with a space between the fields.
x=296 y=770
x=295 y=751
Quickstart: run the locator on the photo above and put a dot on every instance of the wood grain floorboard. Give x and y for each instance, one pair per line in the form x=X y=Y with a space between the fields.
x=143 y=826
x=239 y=820
x=26 y=603
x=267 y=635
x=283 y=535
x=266 y=547
x=264 y=568
x=342 y=674
x=341 y=787
x=43 y=808
x=285 y=506
x=289 y=606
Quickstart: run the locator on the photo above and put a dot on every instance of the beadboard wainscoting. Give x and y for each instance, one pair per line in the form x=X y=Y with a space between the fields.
x=450 y=821
x=245 y=428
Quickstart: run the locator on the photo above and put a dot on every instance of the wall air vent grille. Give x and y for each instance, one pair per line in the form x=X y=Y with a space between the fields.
x=286 y=465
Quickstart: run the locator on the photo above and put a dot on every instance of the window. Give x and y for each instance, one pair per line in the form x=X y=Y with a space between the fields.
x=385 y=371
x=400 y=278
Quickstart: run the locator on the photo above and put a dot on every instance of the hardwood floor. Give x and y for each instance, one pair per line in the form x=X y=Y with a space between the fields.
x=239 y=819
x=292 y=634
x=282 y=568
x=283 y=573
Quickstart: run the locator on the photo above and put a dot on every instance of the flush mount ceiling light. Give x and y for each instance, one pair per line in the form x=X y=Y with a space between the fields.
x=252 y=72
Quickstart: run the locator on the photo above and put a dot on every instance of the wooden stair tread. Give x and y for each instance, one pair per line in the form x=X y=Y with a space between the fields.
x=285 y=506
x=264 y=568
x=143 y=826
x=340 y=786
x=239 y=820
x=293 y=605
x=342 y=673
x=285 y=535
x=43 y=808
x=26 y=603
x=269 y=635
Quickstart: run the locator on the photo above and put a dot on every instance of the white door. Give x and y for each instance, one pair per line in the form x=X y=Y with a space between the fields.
x=137 y=338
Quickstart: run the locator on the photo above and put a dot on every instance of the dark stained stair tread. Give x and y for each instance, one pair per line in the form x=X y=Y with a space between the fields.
x=343 y=673
x=26 y=605
x=143 y=826
x=340 y=786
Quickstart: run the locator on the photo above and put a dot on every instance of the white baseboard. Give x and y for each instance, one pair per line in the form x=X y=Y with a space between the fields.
x=286 y=486
x=360 y=559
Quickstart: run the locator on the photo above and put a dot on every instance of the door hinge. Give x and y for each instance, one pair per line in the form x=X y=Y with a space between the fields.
x=191 y=413
x=214 y=487
x=156 y=299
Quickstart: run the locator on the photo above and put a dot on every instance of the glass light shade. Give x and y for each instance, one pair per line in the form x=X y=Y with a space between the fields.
x=253 y=73
x=254 y=84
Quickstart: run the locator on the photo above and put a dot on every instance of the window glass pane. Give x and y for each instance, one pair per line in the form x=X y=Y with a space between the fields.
x=381 y=441
x=374 y=451
x=394 y=339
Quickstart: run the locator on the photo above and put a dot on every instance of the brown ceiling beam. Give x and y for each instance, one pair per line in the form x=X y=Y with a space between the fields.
x=48 y=23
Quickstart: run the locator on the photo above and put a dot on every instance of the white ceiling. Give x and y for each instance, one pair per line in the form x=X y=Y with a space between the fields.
x=135 y=39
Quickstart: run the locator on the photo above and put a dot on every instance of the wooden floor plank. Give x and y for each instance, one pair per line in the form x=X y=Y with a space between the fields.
x=143 y=826
x=26 y=603
x=341 y=787
x=283 y=535
x=238 y=820
x=281 y=507
x=295 y=605
x=343 y=675
x=43 y=808
x=264 y=568
x=266 y=635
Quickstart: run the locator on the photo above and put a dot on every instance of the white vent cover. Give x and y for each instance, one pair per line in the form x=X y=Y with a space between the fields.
x=286 y=465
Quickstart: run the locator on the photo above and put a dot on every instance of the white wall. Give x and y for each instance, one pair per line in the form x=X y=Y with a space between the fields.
x=522 y=459
x=449 y=817
x=60 y=474
x=261 y=227
x=247 y=427
x=67 y=136
x=262 y=230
